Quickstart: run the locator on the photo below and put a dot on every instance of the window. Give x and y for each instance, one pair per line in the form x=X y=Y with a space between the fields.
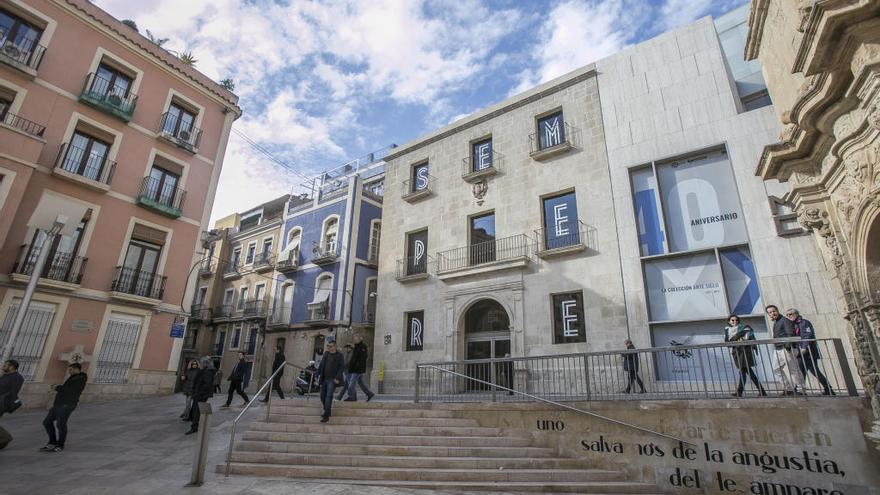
x=86 y=156
x=375 y=232
x=201 y=295
x=370 y=298
x=420 y=177
x=259 y=292
x=179 y=123
x=568 y=318
x=784 y=217
x=481 y=155
x=118 y=348
x=415 y=330
x=331 y=228
x=291 y=250
x=62 y=263
x=189 y=339
x=251 y=250
x=161 y=186
x=242 y=297
x=109 y=81
x=267 y=249
x=138 y=273
x=482 y=239
x=18 y=38
x=31 y=340
x=228 y=297
x=5 y=104
x=561 y=225
x=551 y=130
x=417 y=252
x=251 y=344
x=236 y=258
x=756 y=100
x=235 y=341
x=220 y=341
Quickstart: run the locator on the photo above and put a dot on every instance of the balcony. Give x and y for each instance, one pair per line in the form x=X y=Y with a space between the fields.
x=324 y=254
x=21 y=137
x=411 y=193
x=62 y=270
x=22 y=124
x=369 y=315
x=207 y=268
x=223 y=312
x=172 y=130
x=94 y=171
x=98 y=93
x=289 y=263
x=571 y=240
x=374 y=190
x=539 y=152
x=23 y=56
x=264 y=262
x=137 y=286
x=281 y=316
x=161 y=198
x=232 y=271
x=319 y=313
x=409 y=271
x=478 y=259
x=256 y=309
x=199 y=312
x=470 y=173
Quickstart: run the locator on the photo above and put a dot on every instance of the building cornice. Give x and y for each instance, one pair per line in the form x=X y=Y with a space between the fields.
x=757 y=18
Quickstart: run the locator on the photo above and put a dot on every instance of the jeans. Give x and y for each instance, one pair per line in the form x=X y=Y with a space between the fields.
x=196 y=415
x=276 y=384
x=786 y=370
x=353 y=381
x=634 y=378
x=328 y=386
x=186 y=409
x=744 y=374
x=58 y=415
x=235 y=387
x=343 y=389
x=809 y=363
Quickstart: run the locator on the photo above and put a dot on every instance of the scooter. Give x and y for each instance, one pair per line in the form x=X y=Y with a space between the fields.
x=306 y=383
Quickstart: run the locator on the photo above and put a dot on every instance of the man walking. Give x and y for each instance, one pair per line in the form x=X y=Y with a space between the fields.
x=236 y=378
x=329 y=376
x=10 y=385
x=203 y=389
x=66 y=398
x=357 y=366
x=346 y=358
x=277 y=364
x=785 y=366
x=808 y=351
x=631 y=367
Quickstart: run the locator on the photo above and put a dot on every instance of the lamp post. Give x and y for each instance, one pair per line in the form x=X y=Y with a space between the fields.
x=57 y=226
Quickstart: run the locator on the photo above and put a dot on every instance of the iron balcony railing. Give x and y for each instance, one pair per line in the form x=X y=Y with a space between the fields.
x=26 y=53
x=232 y=269
x=319 y=311
x=408 y=267
x=98 y=92
x=411 y=187
x=22 y=124
x=552 y=238
x=206 y=268
x=470 y=166
x=290 y=263
x=61 y=267
x=199 y=312
x=162 y=194
x=185 y=136
x=95 y=167
x=375 y=190
x=565 y=140
x=281 y=315
x=706 y=371
x=507 y=248
x=190 y=337
x=299 y=206
x=324 y=252
x=223 y=311
x=369 y=315
x=264 y=261
x=138 y=283
x=256 y=308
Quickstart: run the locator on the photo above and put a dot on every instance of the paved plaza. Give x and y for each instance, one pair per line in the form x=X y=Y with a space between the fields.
x=136 y=447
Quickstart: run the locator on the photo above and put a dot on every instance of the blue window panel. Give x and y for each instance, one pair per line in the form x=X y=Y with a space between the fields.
x=561 y=226
x=420 y=177
x=652 y=239
x=551 y=131
x=481 y=153
x=741 y=281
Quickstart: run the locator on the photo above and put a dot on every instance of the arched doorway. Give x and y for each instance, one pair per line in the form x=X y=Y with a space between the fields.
x=487 y=336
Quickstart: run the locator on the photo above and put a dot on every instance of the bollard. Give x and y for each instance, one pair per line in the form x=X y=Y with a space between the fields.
x=201 y=458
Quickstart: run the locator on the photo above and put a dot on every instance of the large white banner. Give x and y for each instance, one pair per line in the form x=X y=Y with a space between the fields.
x=685 y=288
x=701 y=203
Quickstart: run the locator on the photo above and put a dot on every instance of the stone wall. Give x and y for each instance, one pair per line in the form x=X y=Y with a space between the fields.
x=141 y=384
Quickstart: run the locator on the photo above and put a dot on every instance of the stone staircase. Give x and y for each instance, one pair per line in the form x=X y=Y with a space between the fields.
x=407 y=445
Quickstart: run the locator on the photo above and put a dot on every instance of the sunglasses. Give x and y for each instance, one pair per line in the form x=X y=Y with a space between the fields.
x=789 y=314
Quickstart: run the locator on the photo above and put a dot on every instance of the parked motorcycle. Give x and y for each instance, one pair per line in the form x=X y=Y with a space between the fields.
x=306 y=382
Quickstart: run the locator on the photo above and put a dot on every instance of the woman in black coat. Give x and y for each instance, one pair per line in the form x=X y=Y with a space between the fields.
x=743 y=355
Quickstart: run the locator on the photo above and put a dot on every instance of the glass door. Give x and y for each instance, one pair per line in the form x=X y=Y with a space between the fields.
x=139 y=268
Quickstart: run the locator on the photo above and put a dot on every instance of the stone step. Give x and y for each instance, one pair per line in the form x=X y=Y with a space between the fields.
x=424 y=462
x=346 y=409
x=349 y=429
x=336 y=438
x=372 y=420
x=419 y=474
x=392 y=450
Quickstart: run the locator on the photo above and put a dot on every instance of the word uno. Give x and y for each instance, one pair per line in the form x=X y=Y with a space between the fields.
x=550 y=425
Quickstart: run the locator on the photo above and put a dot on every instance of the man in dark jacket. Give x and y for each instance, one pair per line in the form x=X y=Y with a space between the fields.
x=236 y=379
x=808 y=351
x=357 y=366
x=276 y=382
x=784 y=361
x=203 y=389
x=10 y=385
x=631 y=366
x=66 y=398
x=329 y=376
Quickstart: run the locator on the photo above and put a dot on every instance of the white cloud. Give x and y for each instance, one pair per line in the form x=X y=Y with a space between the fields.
x=675 y=13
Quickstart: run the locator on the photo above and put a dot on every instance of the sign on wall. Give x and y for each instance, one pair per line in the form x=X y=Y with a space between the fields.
x=415 y=330
x=569 y=324
x=551 y=130
x=561 y=221
x=482 y=155
x=417 y=252
x=420 y=177
x=741 y=281
x=685 y=288
x=652 y=240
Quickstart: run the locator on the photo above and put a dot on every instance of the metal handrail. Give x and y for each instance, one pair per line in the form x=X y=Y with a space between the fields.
x=268 y=407
x=552 y=402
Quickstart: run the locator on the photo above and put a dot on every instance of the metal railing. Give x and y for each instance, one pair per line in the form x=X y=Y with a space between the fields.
x=61 y=267
x=506 y=248
x=324 y=252
x=469 y=165
x=29 y=54
x=95 y=167
x=223 y=311
x=186 y=136
x=154 y=190
x=263 y=260
x=553 y=238
x=375 y=190
x=207 y=267
x=232 y=269
x=706 y=371
x=23 y=124
x=291 y=262
x=255 y=397
x=281 y=315
x=406 y=267
x=256 y=308
x=138 y=283
x=98 y=91
x=566 y=139
x=199 y=312
x=318 y=311
x=410 y=187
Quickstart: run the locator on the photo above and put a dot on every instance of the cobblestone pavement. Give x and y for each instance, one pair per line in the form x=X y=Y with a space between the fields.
x=137 y=447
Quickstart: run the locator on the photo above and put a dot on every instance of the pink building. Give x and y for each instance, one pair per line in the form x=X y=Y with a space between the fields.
x=100 y=124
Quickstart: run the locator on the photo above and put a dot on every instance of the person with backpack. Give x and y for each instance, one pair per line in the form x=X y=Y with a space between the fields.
x=10 y=385
x=66 y=398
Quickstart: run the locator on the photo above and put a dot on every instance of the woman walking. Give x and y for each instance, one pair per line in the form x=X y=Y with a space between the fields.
x=743 y=355
x=188 y=377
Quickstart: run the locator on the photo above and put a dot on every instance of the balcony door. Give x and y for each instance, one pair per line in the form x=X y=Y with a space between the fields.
x=86 y=156
x=482 y=239
x=62 y=251
x=487 y=336
x=139 y=268
x=20 y=35
x=162 y=186
x=179 y=122
x=109 y=81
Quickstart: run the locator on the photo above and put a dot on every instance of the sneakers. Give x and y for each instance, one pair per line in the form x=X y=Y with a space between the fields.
x=57 y=448
x=324 y=419
x=49 y=447
x=191 y=431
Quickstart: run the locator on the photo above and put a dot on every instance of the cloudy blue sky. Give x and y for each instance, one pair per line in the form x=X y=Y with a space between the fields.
x=325 y=81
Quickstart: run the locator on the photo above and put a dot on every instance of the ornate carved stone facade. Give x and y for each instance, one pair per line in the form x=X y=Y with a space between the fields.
x=822 y=66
